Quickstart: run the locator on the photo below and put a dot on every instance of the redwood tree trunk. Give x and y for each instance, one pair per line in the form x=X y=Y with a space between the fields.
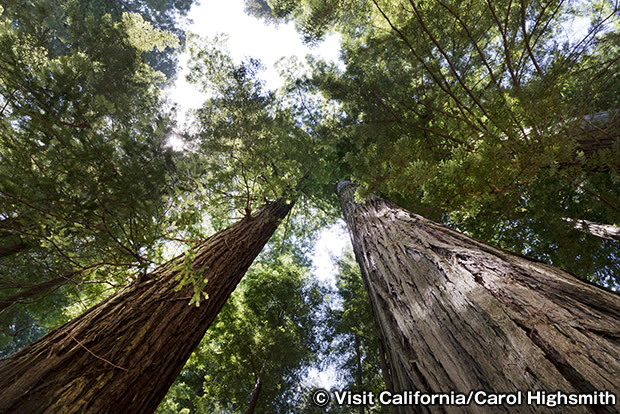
x=455 y=314
x=122 y=355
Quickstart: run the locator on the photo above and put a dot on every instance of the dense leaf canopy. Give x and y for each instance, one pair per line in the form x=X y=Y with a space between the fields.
x=85 y=171
x=493 y=117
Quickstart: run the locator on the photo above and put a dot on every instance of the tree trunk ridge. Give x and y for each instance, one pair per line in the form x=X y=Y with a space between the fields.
x=455 y=314
x=133 y=345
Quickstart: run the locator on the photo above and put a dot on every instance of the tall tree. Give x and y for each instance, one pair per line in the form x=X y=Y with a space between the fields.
x=123 y=354
x=240 y=365
x=455 y=314
x=85 y=178
x=489 y=126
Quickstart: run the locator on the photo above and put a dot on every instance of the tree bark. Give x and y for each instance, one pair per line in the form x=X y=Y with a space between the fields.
x=358 y=360
x=258 y=385
x=122 y=355
x=605 y=231
x=455 y=314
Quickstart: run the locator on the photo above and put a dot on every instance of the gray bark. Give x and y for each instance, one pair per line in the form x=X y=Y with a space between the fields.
x=455 y=314
x=606 y=231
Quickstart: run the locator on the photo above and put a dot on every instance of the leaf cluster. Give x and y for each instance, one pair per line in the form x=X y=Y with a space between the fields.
x=488 y=116
x=274 y=308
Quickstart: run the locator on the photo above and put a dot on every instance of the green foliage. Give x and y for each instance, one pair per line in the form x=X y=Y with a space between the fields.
x=260 y=9
x=353 y=342
x=85 y=176
x=144 y=37
x=473 y=113
x=274 y=308
x=65 y=22
x=250 y=144
x=187 y=275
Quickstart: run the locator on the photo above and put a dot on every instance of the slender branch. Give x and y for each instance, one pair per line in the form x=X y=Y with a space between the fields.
x=445 y=55
x=93 y=354
x=474 y=42
x=515 y=79
x=526 y=40
x=438 y=82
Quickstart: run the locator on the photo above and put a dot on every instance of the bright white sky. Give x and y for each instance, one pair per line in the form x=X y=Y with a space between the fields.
x=247 y=37
x=250 y=37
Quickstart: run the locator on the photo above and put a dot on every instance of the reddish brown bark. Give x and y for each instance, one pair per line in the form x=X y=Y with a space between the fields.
x=122 y=355
x=455 y=314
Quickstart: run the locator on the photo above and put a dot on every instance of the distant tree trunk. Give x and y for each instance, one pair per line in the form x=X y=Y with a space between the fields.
x=255 y=394
x=606 y=231
x=29 y=292
x=455 y=314
x=10 y=241
x=358 y=360
x=258 y=385
x=12 y=249
x=598 y=132
x=122 y=355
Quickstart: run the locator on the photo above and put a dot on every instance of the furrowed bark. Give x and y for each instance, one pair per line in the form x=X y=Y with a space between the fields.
x=455 y=314
x=122 y=355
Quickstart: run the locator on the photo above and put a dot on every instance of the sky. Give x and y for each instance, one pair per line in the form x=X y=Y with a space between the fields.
x=247 y=37
x=250 y=37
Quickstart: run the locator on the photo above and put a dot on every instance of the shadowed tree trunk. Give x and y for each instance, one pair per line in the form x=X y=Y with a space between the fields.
x=358 y=362
x=10 y=241
x=12 y=249
x=455 y=314
x=122 y=355
x=258 y=385
x=29 y=292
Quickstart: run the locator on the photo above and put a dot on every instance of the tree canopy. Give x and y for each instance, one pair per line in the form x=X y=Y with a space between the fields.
x=85 y=170
x=496 y=118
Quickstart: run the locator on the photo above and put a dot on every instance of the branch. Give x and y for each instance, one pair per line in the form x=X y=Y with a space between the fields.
x=93 y=354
